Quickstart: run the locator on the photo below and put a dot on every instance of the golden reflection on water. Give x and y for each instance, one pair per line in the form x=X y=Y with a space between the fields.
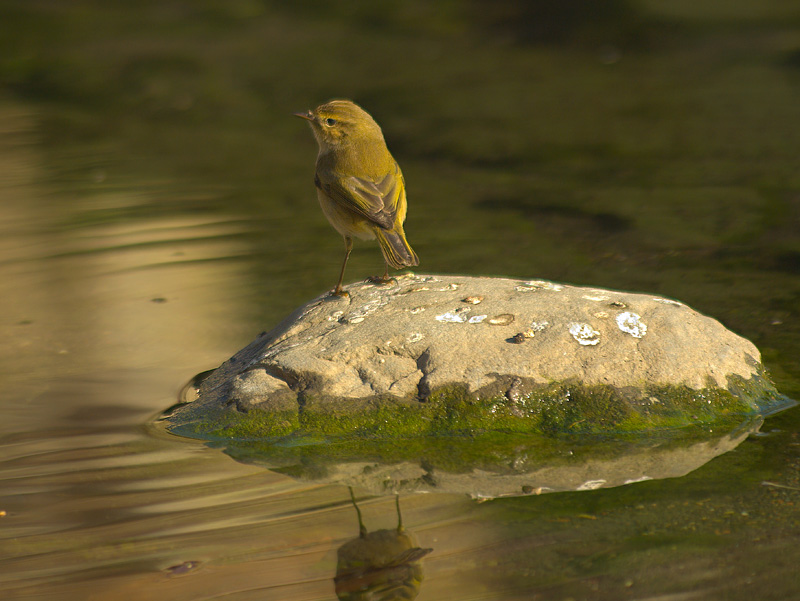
x=90 y=307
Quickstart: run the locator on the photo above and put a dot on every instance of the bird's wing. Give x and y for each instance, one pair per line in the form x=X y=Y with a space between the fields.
x=375 y=201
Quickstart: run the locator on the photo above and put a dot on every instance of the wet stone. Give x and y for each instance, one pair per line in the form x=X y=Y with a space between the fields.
x=420 y=356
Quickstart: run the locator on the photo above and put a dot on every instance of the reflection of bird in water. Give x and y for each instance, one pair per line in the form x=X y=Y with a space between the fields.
x=379 y=566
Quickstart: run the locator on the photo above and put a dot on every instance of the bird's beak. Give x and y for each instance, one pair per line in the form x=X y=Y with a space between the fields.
x=307 y=116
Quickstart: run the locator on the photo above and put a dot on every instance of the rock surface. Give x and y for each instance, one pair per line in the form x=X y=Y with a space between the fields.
x=422 y=337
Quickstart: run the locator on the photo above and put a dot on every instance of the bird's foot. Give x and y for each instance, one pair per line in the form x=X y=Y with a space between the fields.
x=382 y=280
x=338 y=292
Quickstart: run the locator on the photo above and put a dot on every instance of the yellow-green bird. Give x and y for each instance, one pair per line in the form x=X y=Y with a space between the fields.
x=359 y=184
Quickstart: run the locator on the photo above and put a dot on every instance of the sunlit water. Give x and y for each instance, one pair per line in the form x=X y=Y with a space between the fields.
x=104 y=323
x=103 y=320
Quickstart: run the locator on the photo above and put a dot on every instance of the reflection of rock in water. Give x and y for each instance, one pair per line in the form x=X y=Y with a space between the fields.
x=382 y=566
x=487 y=467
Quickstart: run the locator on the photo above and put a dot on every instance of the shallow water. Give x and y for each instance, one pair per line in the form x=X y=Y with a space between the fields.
x=158 y=213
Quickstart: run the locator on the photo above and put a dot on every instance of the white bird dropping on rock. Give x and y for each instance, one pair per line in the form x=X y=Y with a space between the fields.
x=631 y=323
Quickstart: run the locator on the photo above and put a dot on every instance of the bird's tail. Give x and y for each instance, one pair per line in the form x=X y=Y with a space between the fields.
x=396 y=249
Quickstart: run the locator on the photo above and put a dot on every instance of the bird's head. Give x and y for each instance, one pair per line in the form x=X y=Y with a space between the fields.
x=341 y=122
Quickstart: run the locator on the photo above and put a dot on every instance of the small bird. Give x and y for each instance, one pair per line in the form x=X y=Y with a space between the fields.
x=359 y=184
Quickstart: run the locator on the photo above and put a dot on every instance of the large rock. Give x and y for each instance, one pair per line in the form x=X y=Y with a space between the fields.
x=438 y=354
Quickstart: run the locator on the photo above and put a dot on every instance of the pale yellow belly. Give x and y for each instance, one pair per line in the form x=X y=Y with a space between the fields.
x=345 y=222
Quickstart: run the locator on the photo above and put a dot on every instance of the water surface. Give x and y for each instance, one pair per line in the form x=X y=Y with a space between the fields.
x=158 y=213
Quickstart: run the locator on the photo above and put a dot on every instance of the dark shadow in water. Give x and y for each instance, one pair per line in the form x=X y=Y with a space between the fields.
x=555 y=214
x=382 y=565
x=569 y=21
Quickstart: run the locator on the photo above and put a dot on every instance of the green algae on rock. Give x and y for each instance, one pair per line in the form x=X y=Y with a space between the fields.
x=448 y=355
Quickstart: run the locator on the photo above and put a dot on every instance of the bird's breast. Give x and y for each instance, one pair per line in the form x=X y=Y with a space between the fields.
x=344 y=221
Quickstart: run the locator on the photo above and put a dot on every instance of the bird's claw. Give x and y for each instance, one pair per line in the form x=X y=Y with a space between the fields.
x=382 y=280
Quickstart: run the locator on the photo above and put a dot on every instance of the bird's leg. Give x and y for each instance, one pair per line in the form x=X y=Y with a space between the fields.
x=384 y=279
x=348 y=246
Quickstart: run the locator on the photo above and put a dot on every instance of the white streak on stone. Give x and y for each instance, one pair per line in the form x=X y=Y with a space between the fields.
x=591 y=485
x=584 y=334
x=534 y=285
x=451 y=317
x=640 y=479
x=631 y=324
x=667 y=301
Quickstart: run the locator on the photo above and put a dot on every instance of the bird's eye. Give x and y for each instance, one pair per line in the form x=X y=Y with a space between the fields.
x=330 y=121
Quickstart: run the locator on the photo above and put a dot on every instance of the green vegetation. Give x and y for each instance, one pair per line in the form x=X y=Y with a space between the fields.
x=451 y=435
x=552 y=411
